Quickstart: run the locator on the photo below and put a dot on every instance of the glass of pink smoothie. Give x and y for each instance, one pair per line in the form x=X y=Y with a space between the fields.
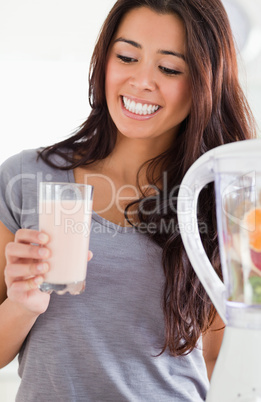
x=65 y=211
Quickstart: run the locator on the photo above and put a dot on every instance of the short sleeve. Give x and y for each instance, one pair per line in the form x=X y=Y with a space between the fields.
x=11 y=193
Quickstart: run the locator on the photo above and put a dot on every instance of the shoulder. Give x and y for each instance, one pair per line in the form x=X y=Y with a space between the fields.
x=21 y=173
x=15 y=163
x=11 y=189
x=28 y=161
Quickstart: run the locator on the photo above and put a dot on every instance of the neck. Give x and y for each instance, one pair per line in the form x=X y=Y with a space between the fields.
x=129 y=155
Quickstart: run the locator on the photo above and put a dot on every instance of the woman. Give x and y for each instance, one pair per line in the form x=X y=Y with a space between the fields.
x=163 y=89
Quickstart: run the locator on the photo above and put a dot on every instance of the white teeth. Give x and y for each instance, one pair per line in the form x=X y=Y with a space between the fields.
x=144 y=109
x=131 y=106
x=139 y=108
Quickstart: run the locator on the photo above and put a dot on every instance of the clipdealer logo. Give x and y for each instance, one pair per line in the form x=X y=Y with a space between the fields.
x=117 y=197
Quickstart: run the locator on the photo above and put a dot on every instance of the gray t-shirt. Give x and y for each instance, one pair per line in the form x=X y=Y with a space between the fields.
x=100 y=345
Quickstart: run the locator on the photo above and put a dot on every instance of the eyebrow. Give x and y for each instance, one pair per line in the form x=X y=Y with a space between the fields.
x=160 y=51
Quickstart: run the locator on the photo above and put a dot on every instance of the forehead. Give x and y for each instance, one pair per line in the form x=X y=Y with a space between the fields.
x=144 y=24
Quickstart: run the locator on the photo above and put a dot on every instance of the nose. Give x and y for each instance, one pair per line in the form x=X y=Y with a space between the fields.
x=143 y=78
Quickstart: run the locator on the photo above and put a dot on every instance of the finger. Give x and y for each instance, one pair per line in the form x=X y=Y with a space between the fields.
x=90 y=255
x=31 y=236
x=25 y=270
x=20 y=287
x=21 y=250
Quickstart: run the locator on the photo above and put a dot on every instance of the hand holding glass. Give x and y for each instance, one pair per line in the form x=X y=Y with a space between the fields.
x=65 y=211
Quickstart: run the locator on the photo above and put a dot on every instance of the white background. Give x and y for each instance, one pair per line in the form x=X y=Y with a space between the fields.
x=45 y=48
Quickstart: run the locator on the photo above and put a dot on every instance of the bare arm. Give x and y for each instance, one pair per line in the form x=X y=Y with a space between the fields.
x=211 y=344
x=5 y=237
x=14 y=328
x=21 y=301
x=21 y=271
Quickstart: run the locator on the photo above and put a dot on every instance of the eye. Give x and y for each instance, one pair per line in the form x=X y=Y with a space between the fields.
x=126 y=59
x=169 y=71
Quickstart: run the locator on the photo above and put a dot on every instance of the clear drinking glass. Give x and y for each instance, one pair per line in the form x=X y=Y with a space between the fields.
x=65 y=211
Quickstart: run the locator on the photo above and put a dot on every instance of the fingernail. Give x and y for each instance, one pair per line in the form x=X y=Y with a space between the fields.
x=38 y=280
x=43 y=252
x=43 y=267
x=43 y=238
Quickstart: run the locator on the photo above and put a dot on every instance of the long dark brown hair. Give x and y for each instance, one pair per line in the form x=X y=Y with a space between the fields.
x=219 y=115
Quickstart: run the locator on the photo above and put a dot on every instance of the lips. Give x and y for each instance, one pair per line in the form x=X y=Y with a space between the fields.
x=138 y=108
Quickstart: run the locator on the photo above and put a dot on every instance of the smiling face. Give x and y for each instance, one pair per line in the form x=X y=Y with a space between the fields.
x=147 y=82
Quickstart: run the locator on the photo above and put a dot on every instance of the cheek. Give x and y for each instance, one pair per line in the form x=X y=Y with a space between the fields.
x=109 y=85
x=181 y=97
x=113 y=76
x=112 y=88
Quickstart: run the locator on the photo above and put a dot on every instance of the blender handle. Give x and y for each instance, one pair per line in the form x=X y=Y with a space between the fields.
x=199 y=174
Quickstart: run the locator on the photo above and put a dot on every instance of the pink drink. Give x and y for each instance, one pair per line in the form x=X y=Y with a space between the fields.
x=67 y=222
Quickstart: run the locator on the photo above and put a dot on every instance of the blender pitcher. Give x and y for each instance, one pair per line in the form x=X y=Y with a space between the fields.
x=236 y=171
